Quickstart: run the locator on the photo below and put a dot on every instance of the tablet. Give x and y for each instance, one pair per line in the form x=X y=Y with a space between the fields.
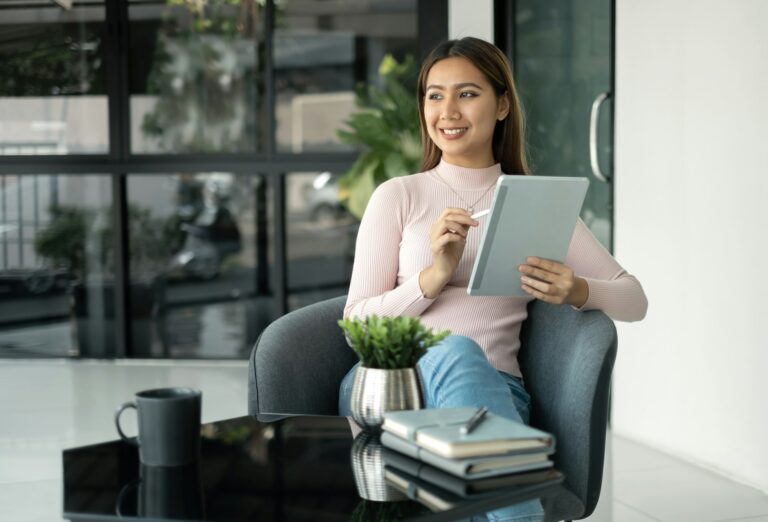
x=530 y=216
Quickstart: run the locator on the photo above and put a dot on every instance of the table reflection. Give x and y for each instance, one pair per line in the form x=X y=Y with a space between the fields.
x=368 y=470
x=296 y=468
x=174 y=492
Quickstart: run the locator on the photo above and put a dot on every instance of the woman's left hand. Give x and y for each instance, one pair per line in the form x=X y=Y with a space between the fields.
x=553 y=282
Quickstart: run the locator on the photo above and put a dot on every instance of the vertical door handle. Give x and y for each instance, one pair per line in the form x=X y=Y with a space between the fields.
x=593 y=119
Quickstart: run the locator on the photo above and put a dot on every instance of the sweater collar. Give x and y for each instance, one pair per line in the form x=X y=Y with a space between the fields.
x=464 y=178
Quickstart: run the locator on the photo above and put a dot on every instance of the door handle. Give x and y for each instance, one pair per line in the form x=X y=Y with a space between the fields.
x=593 y=119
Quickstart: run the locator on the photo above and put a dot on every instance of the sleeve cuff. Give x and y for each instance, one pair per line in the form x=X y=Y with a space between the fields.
x=599 y=297
x=587 y=304
x=405 y=299
x=419 y=303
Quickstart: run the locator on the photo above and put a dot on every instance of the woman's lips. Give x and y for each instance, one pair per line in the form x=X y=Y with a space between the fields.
x=453 y=134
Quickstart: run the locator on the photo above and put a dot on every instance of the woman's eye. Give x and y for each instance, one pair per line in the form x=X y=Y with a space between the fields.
x=434 y=96
x=468 y=94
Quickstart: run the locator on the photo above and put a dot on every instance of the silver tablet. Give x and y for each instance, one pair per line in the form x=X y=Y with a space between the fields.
x=530 y=216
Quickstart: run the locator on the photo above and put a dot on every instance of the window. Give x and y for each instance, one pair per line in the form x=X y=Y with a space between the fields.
x=196 y=79
x=322 y=51
x=169 y=168
x=56 y=266
x=199 y=256
x=320 y=239
x=53 y=97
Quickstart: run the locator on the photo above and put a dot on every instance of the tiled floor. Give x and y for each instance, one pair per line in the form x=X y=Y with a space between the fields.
x=46 y=406
x=642 y=485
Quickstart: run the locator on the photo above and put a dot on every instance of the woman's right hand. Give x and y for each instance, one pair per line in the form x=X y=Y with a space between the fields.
x=447 y=237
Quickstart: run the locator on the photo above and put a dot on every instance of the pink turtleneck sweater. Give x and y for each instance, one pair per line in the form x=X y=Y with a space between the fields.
x=393 y=247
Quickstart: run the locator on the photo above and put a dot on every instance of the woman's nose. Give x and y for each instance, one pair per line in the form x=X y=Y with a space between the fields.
x=450 y=110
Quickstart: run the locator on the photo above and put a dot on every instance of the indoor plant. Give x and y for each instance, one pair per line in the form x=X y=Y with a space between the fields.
x=387 y=127
x=388 y=348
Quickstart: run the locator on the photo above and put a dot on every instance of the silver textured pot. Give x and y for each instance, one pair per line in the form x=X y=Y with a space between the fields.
x=376 y=391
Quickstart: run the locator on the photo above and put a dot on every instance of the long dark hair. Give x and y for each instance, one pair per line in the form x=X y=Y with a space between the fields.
x=509 y=135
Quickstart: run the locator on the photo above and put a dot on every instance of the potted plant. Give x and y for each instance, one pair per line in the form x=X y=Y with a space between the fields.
x=388 y=348
x=387 y=127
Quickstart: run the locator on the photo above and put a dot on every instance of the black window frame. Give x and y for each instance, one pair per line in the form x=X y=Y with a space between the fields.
x=120 y=162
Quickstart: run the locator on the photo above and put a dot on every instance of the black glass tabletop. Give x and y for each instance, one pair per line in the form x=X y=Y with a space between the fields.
x=275 y=468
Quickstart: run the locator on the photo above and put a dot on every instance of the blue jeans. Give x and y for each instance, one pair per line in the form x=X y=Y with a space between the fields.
x=456 y=373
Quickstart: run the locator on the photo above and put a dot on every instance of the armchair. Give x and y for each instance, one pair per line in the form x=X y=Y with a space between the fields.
x=566 y=357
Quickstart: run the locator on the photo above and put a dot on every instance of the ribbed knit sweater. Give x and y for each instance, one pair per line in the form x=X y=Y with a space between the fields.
x=393 y=247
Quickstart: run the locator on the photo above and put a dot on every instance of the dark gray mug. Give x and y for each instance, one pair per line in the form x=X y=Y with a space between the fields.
x=169 y=425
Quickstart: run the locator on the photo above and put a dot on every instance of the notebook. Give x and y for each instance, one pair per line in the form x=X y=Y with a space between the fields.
x=470 y=467
x=531 y=216
x=439 y=431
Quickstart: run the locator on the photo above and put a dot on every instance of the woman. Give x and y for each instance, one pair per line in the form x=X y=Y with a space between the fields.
x=417 y=244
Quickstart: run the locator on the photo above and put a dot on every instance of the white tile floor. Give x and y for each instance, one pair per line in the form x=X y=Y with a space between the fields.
x=46 y=406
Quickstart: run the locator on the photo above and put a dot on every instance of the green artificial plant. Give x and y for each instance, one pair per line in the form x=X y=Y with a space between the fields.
x=390 y=343
x=387 y=126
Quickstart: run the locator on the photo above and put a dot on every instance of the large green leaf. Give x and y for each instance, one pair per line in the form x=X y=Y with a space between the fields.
x=387 y=126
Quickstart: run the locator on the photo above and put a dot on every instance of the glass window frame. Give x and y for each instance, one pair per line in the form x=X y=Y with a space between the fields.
x=120 y=162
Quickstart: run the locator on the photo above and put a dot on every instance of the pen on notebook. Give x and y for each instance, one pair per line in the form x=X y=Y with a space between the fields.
x=474 y=421
x=481 y=213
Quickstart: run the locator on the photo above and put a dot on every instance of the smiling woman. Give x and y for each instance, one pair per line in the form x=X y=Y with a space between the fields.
x=418 y=241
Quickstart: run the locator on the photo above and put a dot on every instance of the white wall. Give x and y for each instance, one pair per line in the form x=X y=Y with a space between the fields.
x=470 y=18
x=692 y=223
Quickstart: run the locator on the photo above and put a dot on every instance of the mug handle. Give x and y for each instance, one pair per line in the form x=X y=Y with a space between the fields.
x=120 y=410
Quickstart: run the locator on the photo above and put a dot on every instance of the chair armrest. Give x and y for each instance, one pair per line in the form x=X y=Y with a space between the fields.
x=299 y=361
x=567 y=359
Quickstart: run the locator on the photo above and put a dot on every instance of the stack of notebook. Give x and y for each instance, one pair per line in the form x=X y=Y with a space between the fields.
x=428 y=448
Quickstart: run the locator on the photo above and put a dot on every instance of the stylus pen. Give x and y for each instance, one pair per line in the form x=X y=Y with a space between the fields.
x=481 y=213
x=474 y=421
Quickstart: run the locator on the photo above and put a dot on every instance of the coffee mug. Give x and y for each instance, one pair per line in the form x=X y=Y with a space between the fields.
x=169 y=425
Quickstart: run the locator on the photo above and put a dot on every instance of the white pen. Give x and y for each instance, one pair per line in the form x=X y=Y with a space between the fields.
x=481 y=213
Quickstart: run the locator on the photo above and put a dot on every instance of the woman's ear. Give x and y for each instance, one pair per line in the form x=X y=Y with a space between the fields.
x=503 y=110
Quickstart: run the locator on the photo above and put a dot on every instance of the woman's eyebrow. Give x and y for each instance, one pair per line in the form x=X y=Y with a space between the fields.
x=456 y=86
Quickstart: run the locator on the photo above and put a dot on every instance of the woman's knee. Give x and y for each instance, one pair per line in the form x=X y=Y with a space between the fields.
x=456 y=354
x=345 y=391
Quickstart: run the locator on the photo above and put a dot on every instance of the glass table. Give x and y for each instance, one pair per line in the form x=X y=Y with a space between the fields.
x=270 y=468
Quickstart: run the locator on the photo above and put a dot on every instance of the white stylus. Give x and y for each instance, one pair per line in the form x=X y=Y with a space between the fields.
x=481 y=213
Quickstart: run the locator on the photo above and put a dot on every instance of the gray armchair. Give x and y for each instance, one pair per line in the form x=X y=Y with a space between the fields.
x=566 y=357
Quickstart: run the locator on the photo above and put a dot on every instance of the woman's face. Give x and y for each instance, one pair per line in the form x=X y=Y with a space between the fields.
x=461 y=110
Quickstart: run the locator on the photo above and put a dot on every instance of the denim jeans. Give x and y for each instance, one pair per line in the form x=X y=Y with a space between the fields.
x=456 y=373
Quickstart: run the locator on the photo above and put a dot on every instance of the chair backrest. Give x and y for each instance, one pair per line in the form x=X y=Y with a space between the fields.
x=299 y=360
x=566 y=357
